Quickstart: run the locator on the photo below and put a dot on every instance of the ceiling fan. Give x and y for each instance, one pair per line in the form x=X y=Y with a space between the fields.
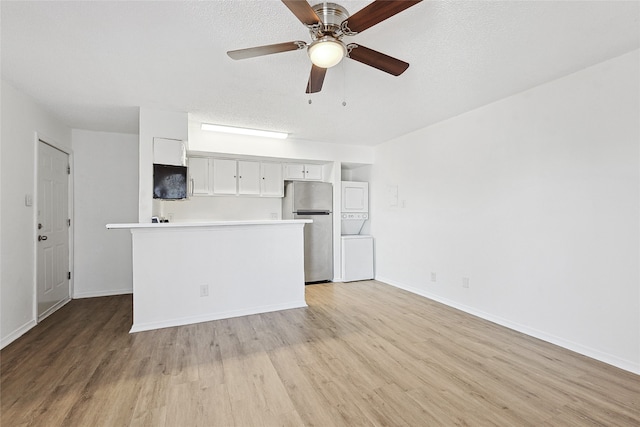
x=328 y=23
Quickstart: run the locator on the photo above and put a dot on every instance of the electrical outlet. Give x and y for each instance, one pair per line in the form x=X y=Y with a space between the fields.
x=274 y=215
x=433 y=276
x=204 y=290
x=170 y=216
x=465 y=282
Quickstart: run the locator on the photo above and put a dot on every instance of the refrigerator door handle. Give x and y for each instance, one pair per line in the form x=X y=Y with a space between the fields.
x=313 y=213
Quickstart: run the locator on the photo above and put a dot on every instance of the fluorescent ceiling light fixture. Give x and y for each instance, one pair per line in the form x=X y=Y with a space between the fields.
x=326 y=52
x=244 y=131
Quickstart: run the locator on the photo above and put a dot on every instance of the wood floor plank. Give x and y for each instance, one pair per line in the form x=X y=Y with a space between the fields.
x=362 y=353
x=311 y=405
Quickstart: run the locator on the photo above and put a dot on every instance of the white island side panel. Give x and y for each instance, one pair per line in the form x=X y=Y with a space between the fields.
x=248 y=268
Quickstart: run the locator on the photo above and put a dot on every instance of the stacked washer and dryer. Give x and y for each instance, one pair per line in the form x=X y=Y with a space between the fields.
x=357 y=249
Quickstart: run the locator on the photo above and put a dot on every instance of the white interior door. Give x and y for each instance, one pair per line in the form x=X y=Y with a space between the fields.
x=53 y=229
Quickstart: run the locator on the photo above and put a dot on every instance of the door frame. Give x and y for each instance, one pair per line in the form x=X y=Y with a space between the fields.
x=40 y=137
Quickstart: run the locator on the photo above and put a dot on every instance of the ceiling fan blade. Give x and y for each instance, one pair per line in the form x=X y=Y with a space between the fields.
x=252 y=52
x=303 y=11
x=316 y=78
x=374 y=13
x=376 y=59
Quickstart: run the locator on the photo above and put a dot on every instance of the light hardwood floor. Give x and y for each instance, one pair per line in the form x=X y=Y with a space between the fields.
x=362 y=353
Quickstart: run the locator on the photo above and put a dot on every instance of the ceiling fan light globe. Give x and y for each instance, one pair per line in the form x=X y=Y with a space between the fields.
x=326 y=52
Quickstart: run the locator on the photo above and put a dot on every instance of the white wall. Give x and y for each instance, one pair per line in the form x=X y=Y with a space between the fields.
x=535 y=199
x=222 y=208
x=106 y=191
x=21 y=119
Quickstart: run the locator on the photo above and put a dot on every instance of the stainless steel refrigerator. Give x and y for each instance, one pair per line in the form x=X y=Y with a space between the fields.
x=313 y=200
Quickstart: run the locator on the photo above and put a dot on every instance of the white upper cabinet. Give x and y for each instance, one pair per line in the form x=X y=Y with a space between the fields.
x=271 y=180
x=209 y=176
x=248 y=177
x=313 y=172
x=169 y=152
x=200 y=176
x=293 y=171
x=224 y=176
x=301 y=172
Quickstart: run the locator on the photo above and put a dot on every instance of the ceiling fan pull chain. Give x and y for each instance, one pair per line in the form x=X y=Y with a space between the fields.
x=344 y=86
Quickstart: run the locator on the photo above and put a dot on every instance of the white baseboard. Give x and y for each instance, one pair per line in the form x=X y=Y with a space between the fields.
x=5 y=341
x=610 y=359
x=53 y=309
x=102 y=293
x=139 y=327
x=31 y=323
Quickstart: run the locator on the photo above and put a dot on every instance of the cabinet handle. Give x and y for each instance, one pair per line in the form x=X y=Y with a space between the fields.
x=193 y=186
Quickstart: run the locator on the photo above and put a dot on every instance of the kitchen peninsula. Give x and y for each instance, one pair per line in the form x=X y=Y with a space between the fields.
x=187 y=273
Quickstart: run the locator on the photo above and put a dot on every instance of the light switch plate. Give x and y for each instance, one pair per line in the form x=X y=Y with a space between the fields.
x=28 y=200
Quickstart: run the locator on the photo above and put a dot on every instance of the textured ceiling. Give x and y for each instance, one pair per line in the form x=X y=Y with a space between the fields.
x=94 y=63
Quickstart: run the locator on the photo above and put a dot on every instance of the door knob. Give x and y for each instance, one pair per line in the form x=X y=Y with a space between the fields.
x=42 y=238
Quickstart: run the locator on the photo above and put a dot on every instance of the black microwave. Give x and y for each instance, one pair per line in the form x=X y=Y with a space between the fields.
x=169 y=182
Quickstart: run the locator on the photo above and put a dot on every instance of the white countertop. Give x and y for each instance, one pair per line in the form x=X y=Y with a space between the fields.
x=207 y=224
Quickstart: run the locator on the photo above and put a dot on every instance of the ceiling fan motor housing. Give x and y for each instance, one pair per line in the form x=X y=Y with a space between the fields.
x=331 y=15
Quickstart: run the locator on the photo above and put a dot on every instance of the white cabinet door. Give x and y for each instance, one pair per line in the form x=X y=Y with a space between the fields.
x=210 y=176
x=313 y=172
x=248 y=177
x=271 y=182
x=200 y=176
x=294 y=171
x=169 y=152
x=224 y=176
x=302 y=172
